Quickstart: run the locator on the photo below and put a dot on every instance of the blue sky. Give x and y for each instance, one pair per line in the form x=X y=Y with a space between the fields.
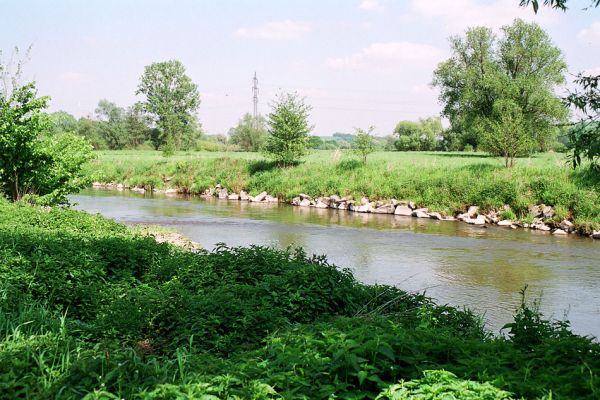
x=358 y=62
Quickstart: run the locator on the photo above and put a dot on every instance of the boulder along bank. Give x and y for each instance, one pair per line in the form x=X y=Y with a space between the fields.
x=542 y=216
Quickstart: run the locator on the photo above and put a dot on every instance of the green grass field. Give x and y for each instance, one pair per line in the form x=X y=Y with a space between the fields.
x=445 y=182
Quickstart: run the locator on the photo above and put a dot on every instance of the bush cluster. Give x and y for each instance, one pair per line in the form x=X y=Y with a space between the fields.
x=91 y=309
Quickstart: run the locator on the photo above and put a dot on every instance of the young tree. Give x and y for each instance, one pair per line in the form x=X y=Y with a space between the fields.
x=522 y=66
x=249 y=134
x=288 y=129
x=505 y=135
x=172 y=99
x=364 y=143
x=33 y=162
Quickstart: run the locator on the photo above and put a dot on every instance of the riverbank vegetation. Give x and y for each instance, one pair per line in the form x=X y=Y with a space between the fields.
x=91 y=309
x=443 y=182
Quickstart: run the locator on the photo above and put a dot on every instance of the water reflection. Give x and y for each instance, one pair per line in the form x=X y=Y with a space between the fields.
x=483 y=268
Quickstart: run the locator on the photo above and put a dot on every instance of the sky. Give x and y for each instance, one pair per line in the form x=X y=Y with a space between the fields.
x=359 y=63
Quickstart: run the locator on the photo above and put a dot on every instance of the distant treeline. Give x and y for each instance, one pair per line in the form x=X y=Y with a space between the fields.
x=117 y=128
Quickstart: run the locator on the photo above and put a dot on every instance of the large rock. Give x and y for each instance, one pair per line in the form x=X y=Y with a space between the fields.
x=364 y=208
x=244 y=196
x=259 y=197
x=547 y=212
x=505 y=222
x=596 y=235
x=542 y=227
x=271 y=199
x=321 y=204
x=420 y=213
x=403 y=210
x=304 y=203
x=536 y=211
x=138 y=190
x=480 y=220
x=435 y=215
x=233 y=196
x=472 y=211
x=98 y=184
x=364 y=201
x=342 y=205
x=566 y=225
x=304 y=196
x=170 y=191
x=223 y=194
x=384 y=209
x=559 y=232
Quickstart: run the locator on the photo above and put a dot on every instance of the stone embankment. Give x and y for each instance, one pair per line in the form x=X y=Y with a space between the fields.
x=541 y=216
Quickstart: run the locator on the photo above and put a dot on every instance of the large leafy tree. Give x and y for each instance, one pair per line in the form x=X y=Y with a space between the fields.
x=584 y=136
x=250 y=133
x=171 y=99
x=522 y=67
x=288 y=129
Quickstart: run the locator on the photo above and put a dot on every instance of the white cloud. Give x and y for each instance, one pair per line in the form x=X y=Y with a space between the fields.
x=370 y=5
x=457 y=15
x=275 y=30
x=591 y=34
x=390 y=56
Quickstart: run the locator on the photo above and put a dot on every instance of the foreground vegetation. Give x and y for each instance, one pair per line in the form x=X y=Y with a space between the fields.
x=89 y=308
x=445 y=182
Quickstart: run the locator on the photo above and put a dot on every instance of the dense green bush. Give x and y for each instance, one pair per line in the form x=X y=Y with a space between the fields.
x=91 y=309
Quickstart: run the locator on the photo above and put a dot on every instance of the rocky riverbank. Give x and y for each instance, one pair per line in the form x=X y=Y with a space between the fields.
x=541 y=217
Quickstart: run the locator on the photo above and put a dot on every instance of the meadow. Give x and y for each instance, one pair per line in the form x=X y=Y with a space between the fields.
x=92 y=309
x=443 y=182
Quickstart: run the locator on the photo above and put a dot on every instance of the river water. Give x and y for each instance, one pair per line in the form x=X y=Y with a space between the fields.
x=455 y=263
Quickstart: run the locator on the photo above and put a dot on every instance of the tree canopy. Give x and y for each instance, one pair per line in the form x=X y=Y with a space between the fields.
x=288 y=129
x=171 y=99
x=522 y=68
x=250 y=133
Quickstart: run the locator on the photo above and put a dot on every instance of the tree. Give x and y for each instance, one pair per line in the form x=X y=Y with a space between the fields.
x=585 y=135
x=423 y=135
x=364 y=143
x=63 y=122
x=137 y=126
x=250 y=134
x=112 y=124
x=171 y=99
x=522 y=66
x=505 y=134
x=33 y=162
x=288 y=129
x=559 y=4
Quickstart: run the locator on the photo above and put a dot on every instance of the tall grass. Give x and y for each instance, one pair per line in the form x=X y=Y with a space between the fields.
x=445 y=182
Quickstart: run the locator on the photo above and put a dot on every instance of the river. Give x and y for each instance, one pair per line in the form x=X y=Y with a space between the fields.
x=455 y=263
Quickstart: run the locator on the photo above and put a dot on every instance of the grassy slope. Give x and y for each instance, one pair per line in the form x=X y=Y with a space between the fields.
x=91 y=308
x=446 y=182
